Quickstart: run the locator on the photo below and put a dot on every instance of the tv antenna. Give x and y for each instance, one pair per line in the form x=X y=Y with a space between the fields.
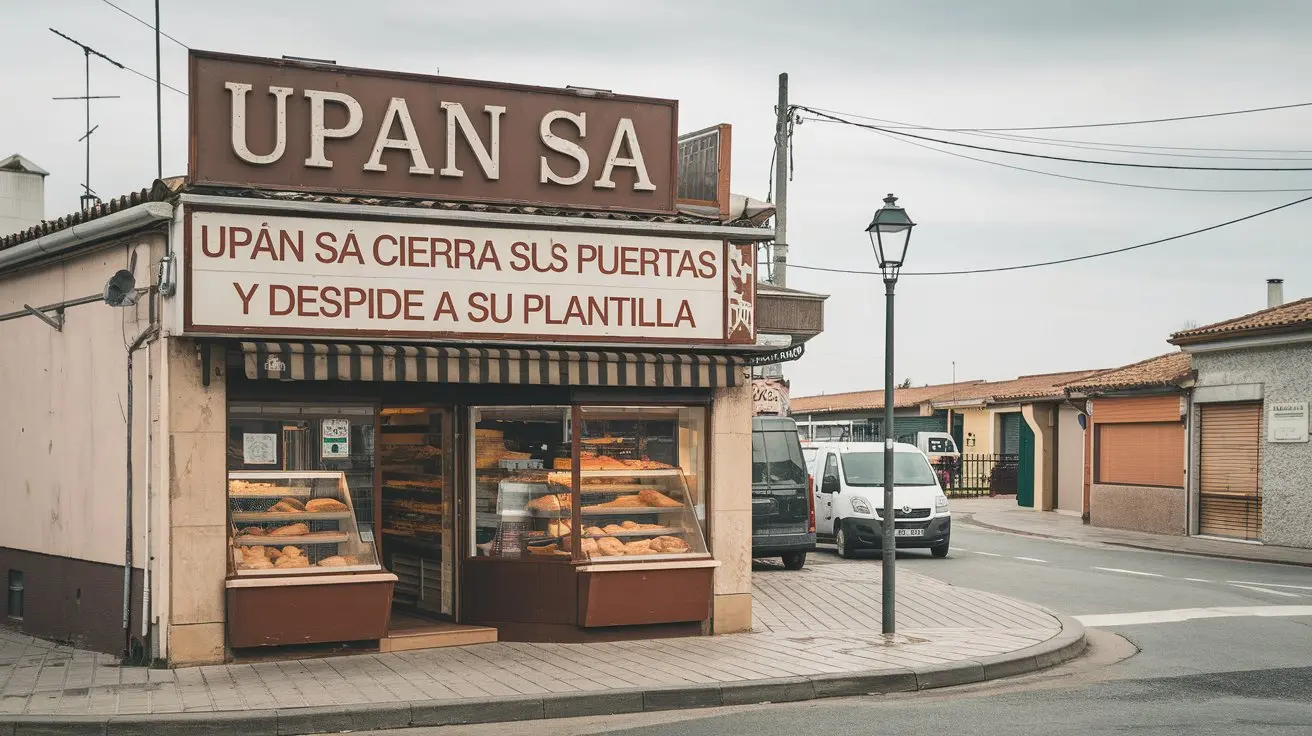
x=88 y=197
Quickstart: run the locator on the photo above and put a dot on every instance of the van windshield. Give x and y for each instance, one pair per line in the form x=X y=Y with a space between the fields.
x=867 y=469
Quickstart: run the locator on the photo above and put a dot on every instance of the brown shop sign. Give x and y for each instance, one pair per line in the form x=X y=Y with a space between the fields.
x=290 y=125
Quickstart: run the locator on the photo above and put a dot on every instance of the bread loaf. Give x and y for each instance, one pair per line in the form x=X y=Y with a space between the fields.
x=290 y=561
x=291 y=530
x=324 y=504
x=657 y=499
x=641 y=547
x=334 y=561
x=558 y=528
x=590 y=548
x=292 y=551
x=252 y=531
x=670 y=545
x=594 y=531
x=610 y=546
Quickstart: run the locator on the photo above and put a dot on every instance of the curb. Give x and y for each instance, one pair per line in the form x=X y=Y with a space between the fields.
x=969 y=518
x=1066 y=645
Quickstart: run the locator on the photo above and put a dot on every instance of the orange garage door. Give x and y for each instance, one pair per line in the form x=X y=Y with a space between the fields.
x=1230 y=497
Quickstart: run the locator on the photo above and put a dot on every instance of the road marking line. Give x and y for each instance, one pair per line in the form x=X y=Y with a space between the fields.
x=1128 y=572
x=1285 y=593
x=1032 y=559
x=1186 y=614
x=987 y=554
x=1270 y=585
x=1197 y=580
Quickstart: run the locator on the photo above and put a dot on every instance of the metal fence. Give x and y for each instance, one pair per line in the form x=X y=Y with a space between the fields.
x=979 y=475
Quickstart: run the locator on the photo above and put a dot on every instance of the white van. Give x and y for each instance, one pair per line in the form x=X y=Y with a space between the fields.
x=849 y=494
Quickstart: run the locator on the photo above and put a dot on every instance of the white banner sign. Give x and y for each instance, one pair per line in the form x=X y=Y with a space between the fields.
x=271 y=275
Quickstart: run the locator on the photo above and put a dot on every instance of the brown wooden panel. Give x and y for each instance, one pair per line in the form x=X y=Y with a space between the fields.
x=642 y=597
x=526 y=590
x=1141 y=454
x=308 y=614
x=1165 y=408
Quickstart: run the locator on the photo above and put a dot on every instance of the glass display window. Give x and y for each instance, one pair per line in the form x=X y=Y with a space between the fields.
x=308 y=438
x=638 y=493
x=641 y=483
x=286 y=522
x=517 y=512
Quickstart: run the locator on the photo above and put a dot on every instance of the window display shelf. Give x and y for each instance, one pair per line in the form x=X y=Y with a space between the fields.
x=260 y=516
x=299 y=541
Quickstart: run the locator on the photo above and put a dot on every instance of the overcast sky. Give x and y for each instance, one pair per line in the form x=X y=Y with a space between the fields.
x=957 y=63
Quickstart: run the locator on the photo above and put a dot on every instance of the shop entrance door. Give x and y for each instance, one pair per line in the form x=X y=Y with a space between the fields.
x=417 y=511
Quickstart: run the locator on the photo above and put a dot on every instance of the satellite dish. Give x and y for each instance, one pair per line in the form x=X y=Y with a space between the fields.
x=121 y=290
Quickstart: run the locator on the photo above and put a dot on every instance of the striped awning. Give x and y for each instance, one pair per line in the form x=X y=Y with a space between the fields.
x=305 y=361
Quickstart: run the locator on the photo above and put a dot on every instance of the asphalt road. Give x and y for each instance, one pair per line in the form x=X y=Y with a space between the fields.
x=1179 y=645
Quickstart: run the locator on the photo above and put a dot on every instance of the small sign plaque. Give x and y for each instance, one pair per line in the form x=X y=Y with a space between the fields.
x=1287 y=421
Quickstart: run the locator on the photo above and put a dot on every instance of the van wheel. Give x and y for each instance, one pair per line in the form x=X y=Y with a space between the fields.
x=840 y=540
x=794 y=560
x=939 y=551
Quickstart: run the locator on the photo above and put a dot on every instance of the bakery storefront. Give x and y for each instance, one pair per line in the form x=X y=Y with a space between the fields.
x=449 y=423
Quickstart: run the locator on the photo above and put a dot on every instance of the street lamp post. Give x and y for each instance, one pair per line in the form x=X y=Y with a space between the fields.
x=890 y=233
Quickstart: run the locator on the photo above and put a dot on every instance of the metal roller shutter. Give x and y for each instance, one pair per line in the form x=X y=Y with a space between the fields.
x=1229 y=484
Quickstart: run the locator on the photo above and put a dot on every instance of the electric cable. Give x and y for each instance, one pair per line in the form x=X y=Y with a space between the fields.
x=1065 y=159
x=1081 y=178
x=1059 y=261
x=1128 y=122
x=903 y=124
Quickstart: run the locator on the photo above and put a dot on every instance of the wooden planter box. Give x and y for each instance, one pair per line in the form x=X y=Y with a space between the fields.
x=279 y=611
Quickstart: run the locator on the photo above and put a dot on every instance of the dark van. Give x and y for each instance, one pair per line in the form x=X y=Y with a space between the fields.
x=783 y=511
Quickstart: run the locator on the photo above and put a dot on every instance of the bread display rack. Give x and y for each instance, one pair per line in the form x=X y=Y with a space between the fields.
x=294 y=523
x=633 y=512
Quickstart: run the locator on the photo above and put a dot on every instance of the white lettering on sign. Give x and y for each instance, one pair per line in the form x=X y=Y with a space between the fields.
x=625 y=149
x=298 y=275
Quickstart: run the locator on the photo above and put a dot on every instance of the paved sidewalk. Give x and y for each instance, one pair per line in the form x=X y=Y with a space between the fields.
x=1002 y=514
x=816 y=635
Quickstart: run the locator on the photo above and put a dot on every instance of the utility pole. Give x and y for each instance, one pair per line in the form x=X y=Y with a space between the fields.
x=159 y=105
x=783 y=122
x=88 y=195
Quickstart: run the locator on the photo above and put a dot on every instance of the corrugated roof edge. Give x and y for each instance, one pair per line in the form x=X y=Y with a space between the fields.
x=160 y=191
x=165 y=189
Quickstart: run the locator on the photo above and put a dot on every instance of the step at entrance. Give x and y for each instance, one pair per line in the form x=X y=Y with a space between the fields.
x=435 y=634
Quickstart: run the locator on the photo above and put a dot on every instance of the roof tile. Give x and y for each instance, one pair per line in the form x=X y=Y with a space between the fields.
x=866 y=400
x=1163 y=370
x=1292 y=316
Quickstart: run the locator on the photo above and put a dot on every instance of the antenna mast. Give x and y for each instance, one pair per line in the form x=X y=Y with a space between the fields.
x=88 y=197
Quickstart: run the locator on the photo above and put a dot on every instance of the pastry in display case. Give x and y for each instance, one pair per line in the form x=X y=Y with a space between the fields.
x=288 y=522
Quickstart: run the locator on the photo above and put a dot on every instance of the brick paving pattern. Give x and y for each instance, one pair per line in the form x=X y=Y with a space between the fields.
x=820 y=620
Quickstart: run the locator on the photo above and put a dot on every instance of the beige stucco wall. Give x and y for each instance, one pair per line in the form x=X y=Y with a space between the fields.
x=63 y=440
x=977 y=422
x=731 y=508
x=1041 y=418
x=1070 y=460
x=1138 y=508
x=197 y=469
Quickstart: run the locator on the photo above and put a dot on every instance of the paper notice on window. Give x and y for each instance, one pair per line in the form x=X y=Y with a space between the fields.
x=259 y=449
x=336 y=436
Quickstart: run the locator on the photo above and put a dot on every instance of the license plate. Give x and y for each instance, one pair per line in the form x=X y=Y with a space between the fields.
x=909 y=533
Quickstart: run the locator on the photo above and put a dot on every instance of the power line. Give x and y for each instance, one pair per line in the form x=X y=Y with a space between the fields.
x=1129 y=122
x=1125 y=164
x=1079 y=178
x=1059 y=261
x=148 y=25
x=899 y=123
x=152 y=80
x=1114 y=148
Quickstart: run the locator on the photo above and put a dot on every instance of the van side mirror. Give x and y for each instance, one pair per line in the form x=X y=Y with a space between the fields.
x=830 y=485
